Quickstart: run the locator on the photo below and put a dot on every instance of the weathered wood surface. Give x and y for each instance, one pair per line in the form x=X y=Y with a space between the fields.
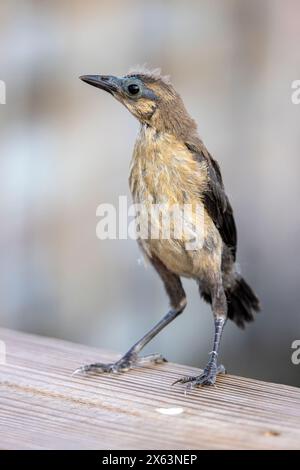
x=43 y=407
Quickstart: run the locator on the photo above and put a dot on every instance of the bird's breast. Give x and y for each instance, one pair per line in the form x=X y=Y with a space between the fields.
x=167 y=183
x=163 y=170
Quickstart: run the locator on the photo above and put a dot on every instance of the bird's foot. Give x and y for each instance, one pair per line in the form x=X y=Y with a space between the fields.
x=128 y=361
x=208 y=376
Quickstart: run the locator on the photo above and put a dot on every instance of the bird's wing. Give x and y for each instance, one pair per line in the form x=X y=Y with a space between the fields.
x=215 y=200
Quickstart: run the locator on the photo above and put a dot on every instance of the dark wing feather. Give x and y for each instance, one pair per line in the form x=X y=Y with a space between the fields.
x=215 y=200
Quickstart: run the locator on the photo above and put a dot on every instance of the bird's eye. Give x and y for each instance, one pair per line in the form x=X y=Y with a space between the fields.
x=133 y=89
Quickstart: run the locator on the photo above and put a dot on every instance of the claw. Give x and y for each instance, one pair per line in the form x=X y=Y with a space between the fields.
x=183 y=380
x=77 y=371
x=155 y=358
x=122 y=365
x=208 y=377
x=97 y=367
x=221 y=370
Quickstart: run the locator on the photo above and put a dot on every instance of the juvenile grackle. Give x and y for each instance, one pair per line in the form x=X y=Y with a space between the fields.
x=171 y=165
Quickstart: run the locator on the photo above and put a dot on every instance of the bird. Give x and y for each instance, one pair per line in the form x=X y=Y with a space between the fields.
x=171 y=166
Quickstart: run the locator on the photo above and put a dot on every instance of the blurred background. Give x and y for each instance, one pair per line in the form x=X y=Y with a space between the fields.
x=65 y=148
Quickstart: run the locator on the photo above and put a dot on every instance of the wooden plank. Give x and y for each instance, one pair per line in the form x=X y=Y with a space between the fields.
x=43 y=407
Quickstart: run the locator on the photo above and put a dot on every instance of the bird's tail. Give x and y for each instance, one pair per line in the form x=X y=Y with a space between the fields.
x=242 y=302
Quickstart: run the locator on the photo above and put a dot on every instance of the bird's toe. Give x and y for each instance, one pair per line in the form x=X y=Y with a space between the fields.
x=208 y=377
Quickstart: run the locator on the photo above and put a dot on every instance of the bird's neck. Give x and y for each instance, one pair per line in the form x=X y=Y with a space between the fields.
x=171 y=117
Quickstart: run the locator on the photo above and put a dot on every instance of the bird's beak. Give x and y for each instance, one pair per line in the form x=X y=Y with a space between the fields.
x=105 y=82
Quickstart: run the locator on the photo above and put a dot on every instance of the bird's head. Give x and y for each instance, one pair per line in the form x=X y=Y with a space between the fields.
x=150 y=97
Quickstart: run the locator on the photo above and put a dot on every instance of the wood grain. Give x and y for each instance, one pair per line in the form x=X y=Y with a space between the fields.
x=43 y=407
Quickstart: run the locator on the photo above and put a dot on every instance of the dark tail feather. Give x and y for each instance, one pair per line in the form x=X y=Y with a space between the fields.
x=241 y=301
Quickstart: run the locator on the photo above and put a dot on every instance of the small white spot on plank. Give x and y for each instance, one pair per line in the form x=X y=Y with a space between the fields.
x=170 y=411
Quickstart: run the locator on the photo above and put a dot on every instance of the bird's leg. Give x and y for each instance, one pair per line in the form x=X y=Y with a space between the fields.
x=210 y=372
x=131 y=358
